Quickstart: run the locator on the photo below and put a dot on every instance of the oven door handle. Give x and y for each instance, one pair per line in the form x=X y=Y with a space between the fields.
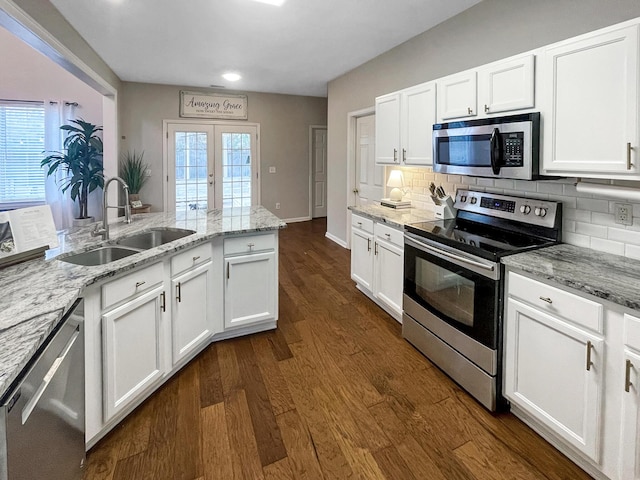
x=450 y=255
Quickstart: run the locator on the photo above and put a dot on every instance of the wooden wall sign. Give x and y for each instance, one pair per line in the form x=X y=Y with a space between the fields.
x=213 y=105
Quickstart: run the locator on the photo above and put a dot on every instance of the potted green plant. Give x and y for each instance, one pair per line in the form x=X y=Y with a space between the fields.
x=133 y=170
x=81 y=161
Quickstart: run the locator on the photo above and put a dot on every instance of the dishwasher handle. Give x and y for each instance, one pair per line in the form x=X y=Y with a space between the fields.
x=31 y=404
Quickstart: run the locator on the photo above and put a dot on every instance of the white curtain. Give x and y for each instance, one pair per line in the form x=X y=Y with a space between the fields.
x=58 y=113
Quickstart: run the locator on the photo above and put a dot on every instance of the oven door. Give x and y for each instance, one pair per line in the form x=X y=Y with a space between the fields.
x=457 y=288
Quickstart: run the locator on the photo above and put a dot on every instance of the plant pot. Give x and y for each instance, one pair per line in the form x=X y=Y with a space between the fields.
x=83 y=222
x=134 y=197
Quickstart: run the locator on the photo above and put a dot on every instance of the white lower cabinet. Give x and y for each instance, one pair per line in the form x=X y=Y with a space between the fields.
x=133 y=349
x=572 y=372
x=377 y=262
x=554 y=372
x=143 y=326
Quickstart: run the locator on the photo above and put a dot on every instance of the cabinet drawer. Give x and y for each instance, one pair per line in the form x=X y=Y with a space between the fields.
x=190 y=258
x=132 y=284
x=362 y=223
x=632 y=331
x=249 y=244
x=555 y=301
x=389 y=234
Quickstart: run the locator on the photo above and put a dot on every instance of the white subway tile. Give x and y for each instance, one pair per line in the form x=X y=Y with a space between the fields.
x=593 y=204
x=454 y=178
x=577 y=239
x=606 y=219
x=568 y=225
x=567 y=202
x=579 y=215
x=632 y=251
x=591 y=230
x=499 y=191
x=569 y=189
x=469 y=180
x=617 y=248
x=623 y=235
x=550 y=187
x=485 y=182
x=525 y=186
x=504 y=184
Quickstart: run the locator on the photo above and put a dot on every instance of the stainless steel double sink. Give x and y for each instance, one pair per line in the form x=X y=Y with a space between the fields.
x=127 y=246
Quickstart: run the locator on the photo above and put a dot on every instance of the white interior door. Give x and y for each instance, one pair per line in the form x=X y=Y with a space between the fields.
x=319 y=171
x=190 y=168
x=369 y=176
x=211 y=166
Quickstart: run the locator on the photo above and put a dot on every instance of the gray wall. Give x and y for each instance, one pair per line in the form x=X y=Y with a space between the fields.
x=489 y=31
x=284 y=129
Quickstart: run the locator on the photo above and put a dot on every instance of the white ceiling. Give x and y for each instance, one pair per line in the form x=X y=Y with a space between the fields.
x=295 y=49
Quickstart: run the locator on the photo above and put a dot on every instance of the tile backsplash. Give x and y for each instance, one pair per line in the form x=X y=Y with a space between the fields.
x=588 y=221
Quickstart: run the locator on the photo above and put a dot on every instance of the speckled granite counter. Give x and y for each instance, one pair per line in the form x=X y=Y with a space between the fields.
x=394 y=217
x=606 y=276
x=35 y=294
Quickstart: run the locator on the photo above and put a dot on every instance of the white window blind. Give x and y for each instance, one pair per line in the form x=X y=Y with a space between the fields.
x=22 y=178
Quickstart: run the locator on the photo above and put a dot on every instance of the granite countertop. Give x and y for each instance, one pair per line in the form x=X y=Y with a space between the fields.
x=392 y=216
x=35 y=294
x=610 y=277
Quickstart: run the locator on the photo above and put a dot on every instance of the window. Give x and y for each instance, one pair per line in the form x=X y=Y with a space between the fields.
x=22 y=179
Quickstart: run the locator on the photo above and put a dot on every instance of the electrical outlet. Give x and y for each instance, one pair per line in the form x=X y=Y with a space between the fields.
x=277 y=205
x=272 y=169
x=624 y=214
x=147 y=172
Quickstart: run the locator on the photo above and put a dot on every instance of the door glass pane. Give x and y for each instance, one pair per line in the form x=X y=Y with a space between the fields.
x=236 y=169
x=191 y=172
x=446 y=291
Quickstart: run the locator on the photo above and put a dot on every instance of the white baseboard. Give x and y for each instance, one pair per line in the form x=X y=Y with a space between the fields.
x=295 y=220
x=337 y=240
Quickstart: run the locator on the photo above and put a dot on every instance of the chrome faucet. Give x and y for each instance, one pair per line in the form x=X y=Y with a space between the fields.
x=104 y=231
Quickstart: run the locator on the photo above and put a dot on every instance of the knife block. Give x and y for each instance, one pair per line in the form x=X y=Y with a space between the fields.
x=445 y=210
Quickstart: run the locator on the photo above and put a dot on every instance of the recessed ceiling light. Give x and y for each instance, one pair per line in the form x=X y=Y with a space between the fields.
x=231 y=77
x=277 y=3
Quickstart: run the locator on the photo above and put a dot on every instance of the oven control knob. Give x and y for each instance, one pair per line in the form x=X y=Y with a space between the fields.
x=525 y=209
x=541 y=212
x=473 y=200
x=463 y=198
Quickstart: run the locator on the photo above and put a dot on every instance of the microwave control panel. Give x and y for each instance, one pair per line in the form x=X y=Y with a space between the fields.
x=513 y=149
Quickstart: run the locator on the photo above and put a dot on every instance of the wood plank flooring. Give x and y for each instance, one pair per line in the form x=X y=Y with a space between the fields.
x=333 y=393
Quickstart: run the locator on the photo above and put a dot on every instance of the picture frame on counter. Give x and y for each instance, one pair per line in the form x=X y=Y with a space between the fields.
x=213 y=105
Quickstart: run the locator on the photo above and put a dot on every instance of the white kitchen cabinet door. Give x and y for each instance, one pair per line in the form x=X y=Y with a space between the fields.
x=362 y=258
x=133 y=350
x=591 y=112
x=458 y=96
x=389 y=275
x=418 y=114
x=554 y=372
x=507 y=85
x=192 y=320
x=388 y=129
x=630 y=445
x=250 y=289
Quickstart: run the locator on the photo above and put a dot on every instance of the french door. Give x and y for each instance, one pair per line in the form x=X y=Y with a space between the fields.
x=211 y=166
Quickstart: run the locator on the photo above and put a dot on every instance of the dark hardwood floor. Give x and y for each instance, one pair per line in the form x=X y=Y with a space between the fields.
x=333 y=393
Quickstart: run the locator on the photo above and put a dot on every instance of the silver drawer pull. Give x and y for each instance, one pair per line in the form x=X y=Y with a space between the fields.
x=139 y=284
x=546 y=299
x=388 y=235
x=589 y=362
x=196 y=258
x=251 y=245
x=627 y=375
x=359 y=224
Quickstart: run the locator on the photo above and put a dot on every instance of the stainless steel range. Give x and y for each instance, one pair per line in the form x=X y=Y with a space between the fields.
x=453 y=283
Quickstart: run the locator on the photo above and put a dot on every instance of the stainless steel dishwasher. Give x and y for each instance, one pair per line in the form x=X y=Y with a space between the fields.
x=42 y=417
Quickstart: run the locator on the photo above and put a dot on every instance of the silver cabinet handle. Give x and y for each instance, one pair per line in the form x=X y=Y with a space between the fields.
x=31 y=404
x=404 y=154
x=589 y=362
x=376 y=248
x=163 y=302
x=546 y=299
x=629 y=164
x=469 y=111
x=368 y=244
x=251 y=245
x=139 y=284
x=178 y=292
x=228 y=270
x=486 y=108
x=359 y=224
x=395 y=154
x=627 y=375
x=388 y=235
x=196 y=258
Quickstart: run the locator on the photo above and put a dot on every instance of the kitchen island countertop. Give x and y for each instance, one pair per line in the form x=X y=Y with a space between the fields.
x=35 y=294
x=603 y=275
x=394 y=217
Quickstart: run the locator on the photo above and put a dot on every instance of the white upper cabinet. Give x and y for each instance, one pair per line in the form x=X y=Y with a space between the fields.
x=591 y=105
x=388 y=129
x=404 y=122
x=417 y=116
x=458 y=96
x=506 y=86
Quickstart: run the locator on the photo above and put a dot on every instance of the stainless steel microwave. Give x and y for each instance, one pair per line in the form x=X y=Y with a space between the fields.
x=498 y=147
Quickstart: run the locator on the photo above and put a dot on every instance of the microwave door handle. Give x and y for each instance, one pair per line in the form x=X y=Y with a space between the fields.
x=495 y=149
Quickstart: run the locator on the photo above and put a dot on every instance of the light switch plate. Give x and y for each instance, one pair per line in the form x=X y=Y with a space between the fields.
x=272 y=169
